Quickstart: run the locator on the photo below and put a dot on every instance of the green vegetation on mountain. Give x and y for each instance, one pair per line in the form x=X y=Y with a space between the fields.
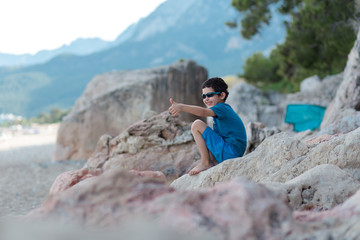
x=56 y=115
x=319 y=36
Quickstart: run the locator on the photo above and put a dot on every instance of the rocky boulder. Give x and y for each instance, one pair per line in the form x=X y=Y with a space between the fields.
x=120 y=204
x=346 y=121
x=160 y=143
x=238 y=209
x=320 y=188
x=253 y=105
x=68 y=179
x=315 y=91
x=341 y=222
x=348 y=94
x=281 y=158
x=310 y=84
x=256 y=133
x=261 y=165
x=113 y=101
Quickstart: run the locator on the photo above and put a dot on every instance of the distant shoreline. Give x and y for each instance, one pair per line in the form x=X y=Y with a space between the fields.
x=11 y=138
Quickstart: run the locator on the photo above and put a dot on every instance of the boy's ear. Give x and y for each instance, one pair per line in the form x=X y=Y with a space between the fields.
x=222 y=95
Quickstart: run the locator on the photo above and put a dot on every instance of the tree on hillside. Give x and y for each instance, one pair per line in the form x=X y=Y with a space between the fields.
x=56 y=115
x=260 y=70
x=320 y=34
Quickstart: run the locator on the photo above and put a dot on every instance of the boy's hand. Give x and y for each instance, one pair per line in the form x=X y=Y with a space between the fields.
x=174 y=109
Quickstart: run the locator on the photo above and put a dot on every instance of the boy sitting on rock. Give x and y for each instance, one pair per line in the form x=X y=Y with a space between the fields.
x=227 y=139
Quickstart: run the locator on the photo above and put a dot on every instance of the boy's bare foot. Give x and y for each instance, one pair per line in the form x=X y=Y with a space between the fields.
x=199 y=168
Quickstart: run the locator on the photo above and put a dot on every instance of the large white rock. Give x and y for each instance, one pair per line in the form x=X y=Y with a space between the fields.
x=310 y=84
x=160 y=143
x=260 y=165
x=281 y=158
x=320 y=188
x=348 y=94
x=113 y=101
x=316 y=92
x=253 y=105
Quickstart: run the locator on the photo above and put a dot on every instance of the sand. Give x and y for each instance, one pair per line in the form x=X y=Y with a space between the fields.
x=27 y=170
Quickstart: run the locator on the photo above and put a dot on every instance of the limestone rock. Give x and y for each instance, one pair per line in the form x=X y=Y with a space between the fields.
x=341 y=222
x=319 y=139
x=234 y=210
x=253 y=105
x=260 y=165
x=281 y=158
x=113 y=101
x=149 y=174
x=344 y=121
x=348 y=94
x=256 y=134
x=321 y=93
x=161 y=143
x=68 y=179
x=138 y=229
x=341 y=150
x=310 y=84
x=320 y=188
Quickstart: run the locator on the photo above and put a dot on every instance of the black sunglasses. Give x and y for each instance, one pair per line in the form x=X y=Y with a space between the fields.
x=210 y=94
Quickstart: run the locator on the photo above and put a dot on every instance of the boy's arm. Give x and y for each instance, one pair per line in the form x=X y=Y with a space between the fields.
x=176 y=108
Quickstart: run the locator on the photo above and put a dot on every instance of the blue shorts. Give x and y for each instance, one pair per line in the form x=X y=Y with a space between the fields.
x=217 y=146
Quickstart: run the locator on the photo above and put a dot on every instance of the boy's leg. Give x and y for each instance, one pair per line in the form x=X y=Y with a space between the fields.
x=197 y=129
x=213 y=161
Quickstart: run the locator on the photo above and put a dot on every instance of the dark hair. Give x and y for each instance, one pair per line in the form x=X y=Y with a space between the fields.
x=218 y=84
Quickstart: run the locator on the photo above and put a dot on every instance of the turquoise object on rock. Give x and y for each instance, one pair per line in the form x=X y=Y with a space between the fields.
x=304 y=116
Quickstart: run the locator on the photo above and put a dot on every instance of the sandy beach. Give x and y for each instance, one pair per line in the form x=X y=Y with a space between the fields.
x=27 y=170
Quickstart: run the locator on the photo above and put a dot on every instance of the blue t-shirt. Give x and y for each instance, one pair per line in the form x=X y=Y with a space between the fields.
x=229 y=125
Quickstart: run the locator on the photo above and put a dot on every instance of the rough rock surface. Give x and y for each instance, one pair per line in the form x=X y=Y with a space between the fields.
x=322 y=93
x=160 y=143
x=320 y=188
x=256 y=134
x=310 y=84
x=345 y=121
x=138 y=229
x=150 y=174
x=281 y=158
x=342 y=222
x=68 y=179
x=113 y=101
x=348 y=94
x=116 y=197
x=253 y=105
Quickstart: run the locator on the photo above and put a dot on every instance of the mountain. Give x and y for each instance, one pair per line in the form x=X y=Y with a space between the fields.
x=177 y=29
x=80 y=46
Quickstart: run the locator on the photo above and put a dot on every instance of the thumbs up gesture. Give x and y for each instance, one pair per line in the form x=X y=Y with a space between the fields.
x=174 y=109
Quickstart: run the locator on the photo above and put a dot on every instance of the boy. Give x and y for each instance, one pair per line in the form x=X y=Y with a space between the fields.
x=227 y=139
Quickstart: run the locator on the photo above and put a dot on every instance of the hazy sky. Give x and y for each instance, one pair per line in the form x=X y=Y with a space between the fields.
x=27 y=26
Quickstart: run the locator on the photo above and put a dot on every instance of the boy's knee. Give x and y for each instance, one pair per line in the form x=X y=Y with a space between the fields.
x=198 y=125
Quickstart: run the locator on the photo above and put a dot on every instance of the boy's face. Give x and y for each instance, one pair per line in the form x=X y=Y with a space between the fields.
x=212 y=100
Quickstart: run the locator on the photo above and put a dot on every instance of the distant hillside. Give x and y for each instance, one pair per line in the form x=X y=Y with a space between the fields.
x=177 y=29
